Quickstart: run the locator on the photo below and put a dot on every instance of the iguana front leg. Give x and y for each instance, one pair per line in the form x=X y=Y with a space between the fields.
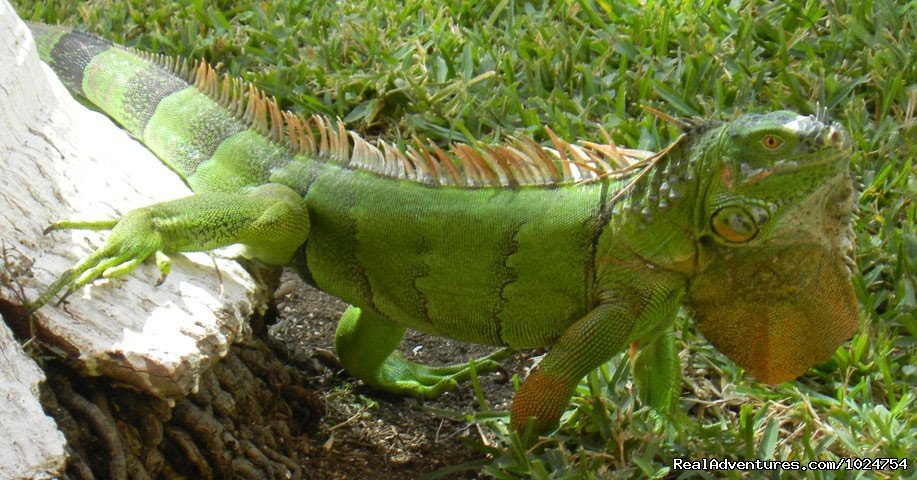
x=367 y=345
x=583 y=347
x=271 y=221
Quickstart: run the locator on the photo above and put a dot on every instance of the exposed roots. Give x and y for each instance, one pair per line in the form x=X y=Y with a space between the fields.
x=248 y=420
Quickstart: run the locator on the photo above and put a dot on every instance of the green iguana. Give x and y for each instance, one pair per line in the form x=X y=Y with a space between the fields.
x=747 y=223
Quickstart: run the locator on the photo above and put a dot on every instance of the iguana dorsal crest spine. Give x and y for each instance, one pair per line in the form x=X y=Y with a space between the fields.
x=521 y=161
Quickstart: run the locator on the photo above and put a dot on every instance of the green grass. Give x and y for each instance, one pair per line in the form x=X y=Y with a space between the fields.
x=449 y=70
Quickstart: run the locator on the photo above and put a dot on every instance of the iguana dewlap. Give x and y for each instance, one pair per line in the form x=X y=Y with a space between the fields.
x=582 y=248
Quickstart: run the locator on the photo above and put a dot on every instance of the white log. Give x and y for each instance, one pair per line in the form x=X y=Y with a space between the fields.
x=32 y=446
x=62 y=161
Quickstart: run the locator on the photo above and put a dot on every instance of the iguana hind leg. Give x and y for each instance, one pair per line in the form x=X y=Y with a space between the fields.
x=271 y=221
x=367 y=347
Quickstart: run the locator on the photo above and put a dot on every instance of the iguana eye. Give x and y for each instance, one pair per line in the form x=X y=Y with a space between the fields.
x=734 y=224
x=771 y=142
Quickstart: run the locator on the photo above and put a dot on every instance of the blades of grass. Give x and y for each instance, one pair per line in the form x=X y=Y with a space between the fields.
x=483 y=404
x=747 y=427
x=769 y=440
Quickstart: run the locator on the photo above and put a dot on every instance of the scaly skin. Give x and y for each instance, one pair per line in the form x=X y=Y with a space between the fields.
x=724 y=221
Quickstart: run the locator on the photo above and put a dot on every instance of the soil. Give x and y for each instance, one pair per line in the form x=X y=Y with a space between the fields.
x=368 y=434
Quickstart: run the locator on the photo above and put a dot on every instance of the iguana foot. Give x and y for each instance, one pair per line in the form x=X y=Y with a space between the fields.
x=402 y=376
x=133 y=239
x=366 y=345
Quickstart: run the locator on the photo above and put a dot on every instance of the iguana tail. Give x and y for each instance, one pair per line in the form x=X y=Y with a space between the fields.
x=162 y=101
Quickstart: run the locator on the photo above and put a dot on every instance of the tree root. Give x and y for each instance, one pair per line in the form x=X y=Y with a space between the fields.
x=103 y=426
x=246 y=421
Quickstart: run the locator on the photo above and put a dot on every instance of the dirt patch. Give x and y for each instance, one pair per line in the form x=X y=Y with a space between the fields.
x=370 y=434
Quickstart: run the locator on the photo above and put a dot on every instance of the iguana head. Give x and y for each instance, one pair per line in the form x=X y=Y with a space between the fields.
x=772 y=289
x=769 y=166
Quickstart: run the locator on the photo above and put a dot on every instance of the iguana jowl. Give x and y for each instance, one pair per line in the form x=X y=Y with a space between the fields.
x=744 y=222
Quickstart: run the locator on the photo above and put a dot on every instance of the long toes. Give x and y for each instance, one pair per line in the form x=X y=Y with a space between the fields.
x=464 y=370
x=443 y=386
x=122 y=269
x=426 y=385
x=96 y=271
x=486 y=366
x=498 y=356
x=87 y=276
x=448 y=370
x=438 y=388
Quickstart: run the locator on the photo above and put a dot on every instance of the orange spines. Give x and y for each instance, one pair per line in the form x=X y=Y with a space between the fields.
x=544 y=166
x=520 y=161
x=456 y=176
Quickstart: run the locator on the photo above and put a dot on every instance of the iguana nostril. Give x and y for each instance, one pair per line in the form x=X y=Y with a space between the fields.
x=834 y=137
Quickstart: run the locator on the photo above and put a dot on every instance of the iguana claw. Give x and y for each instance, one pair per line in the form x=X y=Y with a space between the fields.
x=130 y=243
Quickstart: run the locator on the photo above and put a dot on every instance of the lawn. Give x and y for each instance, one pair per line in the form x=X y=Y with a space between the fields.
x=460 y=70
